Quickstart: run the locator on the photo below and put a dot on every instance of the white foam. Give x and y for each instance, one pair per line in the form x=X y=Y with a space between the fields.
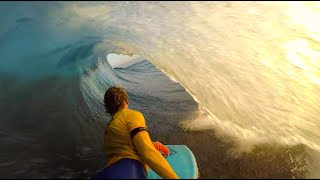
x=246 y=77
x=122 y=61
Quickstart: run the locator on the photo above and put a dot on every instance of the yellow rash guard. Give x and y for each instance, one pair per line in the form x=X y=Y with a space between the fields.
x=118 y=143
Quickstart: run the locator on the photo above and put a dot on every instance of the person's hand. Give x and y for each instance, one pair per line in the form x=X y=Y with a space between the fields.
x=162 y=148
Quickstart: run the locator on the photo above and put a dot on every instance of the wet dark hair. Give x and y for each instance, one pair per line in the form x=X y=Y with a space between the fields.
x=114 y=98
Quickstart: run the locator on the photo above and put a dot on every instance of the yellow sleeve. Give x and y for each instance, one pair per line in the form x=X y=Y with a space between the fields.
x=152 y=156
x=135 y=119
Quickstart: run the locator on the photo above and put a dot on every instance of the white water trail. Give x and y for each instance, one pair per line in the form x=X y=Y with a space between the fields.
x=254 y=66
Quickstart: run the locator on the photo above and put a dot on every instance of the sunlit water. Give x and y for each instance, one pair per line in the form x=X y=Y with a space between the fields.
x=251 y=67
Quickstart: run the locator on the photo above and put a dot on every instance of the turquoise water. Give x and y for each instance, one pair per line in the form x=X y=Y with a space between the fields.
x=236 y=82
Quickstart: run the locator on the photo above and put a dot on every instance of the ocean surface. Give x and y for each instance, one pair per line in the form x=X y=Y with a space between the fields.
x=237 y=82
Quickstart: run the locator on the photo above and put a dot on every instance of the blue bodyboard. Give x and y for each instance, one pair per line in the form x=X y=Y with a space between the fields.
x=182 y=161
